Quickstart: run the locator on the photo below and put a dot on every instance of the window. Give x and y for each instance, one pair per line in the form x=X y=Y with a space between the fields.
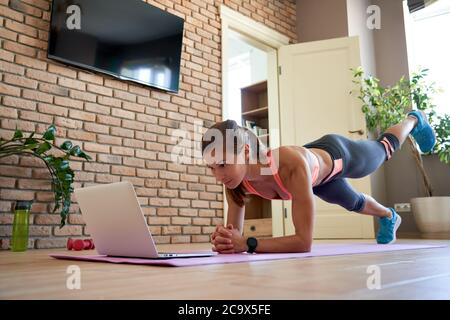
x=427 y=33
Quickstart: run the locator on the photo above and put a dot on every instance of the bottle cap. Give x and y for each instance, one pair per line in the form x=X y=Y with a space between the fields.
x=23 y=205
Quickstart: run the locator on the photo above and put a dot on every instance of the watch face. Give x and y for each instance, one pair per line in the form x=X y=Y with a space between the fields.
x=252 y=242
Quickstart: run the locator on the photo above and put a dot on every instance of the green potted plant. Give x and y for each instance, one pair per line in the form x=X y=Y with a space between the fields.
x=62 y=176
x=386 y=106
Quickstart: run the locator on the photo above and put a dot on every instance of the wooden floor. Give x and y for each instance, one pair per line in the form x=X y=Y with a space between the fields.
x=410 y=274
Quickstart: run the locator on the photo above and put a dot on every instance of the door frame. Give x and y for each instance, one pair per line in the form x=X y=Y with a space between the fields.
x=268 y=40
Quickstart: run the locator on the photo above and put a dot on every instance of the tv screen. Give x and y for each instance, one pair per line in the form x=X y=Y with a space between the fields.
x=128 y=39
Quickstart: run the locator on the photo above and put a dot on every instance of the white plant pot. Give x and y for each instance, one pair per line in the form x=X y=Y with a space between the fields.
x=432 y=215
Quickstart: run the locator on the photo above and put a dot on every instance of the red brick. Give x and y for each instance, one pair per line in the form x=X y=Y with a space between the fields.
x=201 y=221
x=76 y=219
x=160 y=202
x=113 y=102
x=135 y=125
x=33 y=116
x=155 y=183
x=7 y=182
x=90 y=78
x=33 y=42
x=111 y=121
x=96 y=108
x=138 y=90
x=7 y=12
x=81 y=115
x=95 y=147
x=109 y=139
x=19 y=48
x=134 y=143
x=99 y=89
x=107 y=158
x=96 y=167
x=159 y=220
x=51 y=109
x=122 y=113
x=200 y=238
x=68 y=230
x=167 y=211
x=72 y=83
x=146 y=136
x=116 y=84
x=192 y=230
x=8 y=34
x=43 y=76
x=80 y=135
x=11 y=67
x=62 y=70
x=122 y=170
x=8 y=113
x=38 y=23
x=161 y=239
x=126 y=133
x=145 y=154
x=54 y=89
x=180 y=239
x=67 y=102
x=12 y=194
x=181 y=220
x=145 y=173
x=171 y=230
x=14 y=171
x=80 y=95
x=124 y=95
x=43 y=4
x=106 y=178
x=34 y=184
x=155 y=230
x=206 y=213
x=93 y=127
x=50 y=243
x=147 y=101
x=165 y=193
x=9 y=90
x=133 y=107
x=36 y=95
x=6 y=55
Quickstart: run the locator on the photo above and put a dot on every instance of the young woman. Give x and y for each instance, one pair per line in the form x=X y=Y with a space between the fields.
x=240 y=161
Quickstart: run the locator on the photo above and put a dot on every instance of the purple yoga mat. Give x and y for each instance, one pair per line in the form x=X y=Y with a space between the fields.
x=317 y=251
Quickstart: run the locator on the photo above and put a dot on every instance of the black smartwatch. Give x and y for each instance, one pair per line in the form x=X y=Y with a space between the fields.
x=252 y=243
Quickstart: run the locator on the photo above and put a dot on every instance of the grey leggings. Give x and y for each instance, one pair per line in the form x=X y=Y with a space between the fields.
x=359 y=159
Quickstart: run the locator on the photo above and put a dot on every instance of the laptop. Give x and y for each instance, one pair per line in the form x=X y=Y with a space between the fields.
x=117 y=225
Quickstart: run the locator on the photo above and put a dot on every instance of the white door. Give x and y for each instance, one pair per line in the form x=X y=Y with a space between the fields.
x=314 y=85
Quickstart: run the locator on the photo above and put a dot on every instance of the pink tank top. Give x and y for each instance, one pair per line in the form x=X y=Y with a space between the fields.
x=286 y=195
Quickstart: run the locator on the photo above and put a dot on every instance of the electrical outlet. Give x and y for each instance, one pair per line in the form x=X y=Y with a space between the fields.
x=402 y=207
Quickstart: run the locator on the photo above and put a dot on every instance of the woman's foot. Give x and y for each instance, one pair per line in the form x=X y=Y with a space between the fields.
x=422 y=132
x=388 y=228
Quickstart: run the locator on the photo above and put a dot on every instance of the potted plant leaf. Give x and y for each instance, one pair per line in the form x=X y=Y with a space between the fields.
x=62 y=176
x=386 y=106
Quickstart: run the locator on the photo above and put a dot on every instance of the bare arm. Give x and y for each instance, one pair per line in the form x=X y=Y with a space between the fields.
x=302 y=215
x=235 y=215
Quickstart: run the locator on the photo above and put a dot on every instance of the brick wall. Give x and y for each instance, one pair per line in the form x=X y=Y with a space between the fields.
x=125 y=127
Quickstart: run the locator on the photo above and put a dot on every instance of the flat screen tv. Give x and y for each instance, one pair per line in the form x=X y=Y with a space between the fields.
x=127 y=39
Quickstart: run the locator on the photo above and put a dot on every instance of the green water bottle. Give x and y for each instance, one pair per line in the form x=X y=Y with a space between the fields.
x=21 y=226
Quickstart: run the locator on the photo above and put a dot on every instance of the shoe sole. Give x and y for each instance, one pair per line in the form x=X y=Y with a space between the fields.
x=397 y=224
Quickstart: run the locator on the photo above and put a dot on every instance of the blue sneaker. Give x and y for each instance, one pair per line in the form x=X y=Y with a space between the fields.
x=388 y=228
x=422 y=132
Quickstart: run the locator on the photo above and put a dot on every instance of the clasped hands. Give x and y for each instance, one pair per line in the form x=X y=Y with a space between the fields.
x=228 y=240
